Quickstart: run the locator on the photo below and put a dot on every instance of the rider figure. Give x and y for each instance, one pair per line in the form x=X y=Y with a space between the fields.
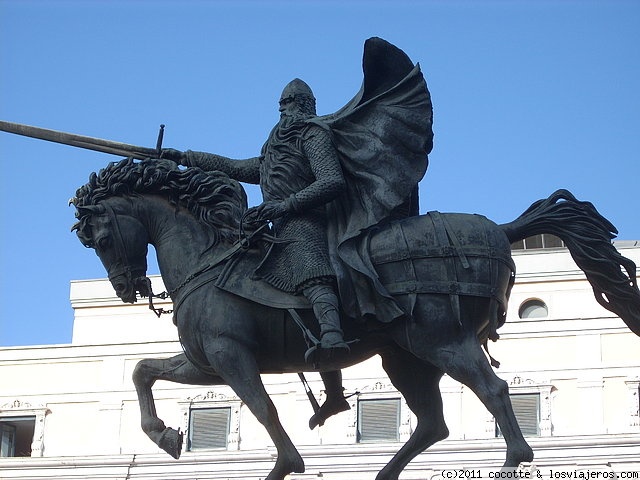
x=298 y=172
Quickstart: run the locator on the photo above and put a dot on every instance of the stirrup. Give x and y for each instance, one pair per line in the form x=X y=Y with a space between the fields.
x=319 y=352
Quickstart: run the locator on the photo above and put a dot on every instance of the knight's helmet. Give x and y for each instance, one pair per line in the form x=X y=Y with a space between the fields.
x=301 y=93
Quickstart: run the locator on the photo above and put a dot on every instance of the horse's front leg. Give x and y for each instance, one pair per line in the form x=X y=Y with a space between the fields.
x=175 y=369
x=237 y=365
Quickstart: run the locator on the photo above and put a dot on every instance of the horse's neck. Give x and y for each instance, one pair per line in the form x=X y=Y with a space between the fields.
x=181 y=242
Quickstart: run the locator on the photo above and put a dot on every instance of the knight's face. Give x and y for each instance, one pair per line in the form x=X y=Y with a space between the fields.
x=288 y=106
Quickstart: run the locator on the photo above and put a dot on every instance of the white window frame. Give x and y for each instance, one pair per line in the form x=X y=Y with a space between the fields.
x=380 y=391
x=212 y=399
x=633 y=394
x=217 y=414
x=19 y=408
x=391 y=401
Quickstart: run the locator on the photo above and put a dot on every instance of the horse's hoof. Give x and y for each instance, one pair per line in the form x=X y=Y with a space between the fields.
x=517 y=457
x=284 y=468
x=171 y=442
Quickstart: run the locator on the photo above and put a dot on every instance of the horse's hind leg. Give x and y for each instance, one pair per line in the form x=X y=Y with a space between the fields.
x=436 y=337
x=175 y=369
x=467 y=364
x=237 y=365
x=419 y=384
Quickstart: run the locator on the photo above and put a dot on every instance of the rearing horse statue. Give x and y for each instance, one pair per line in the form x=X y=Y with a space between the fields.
x=451 y=273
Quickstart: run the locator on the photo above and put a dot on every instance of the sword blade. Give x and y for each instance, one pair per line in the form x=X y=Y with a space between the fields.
x=80 y=141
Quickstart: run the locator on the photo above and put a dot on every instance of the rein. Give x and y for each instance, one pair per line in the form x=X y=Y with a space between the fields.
x=119 y=245
x=242 y=244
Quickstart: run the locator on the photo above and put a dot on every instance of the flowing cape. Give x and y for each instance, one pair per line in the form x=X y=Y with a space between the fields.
x=383 y=137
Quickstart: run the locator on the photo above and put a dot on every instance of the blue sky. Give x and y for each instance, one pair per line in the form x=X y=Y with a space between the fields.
x=529 y=97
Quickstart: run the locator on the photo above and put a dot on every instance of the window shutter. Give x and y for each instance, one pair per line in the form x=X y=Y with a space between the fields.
x=526 y=408
x=378 y=420
x=209 y=428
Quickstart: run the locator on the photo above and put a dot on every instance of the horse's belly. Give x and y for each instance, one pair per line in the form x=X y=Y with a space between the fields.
x=443 y=253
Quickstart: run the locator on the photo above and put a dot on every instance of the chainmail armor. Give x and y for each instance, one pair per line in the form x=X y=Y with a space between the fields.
x=299 y=167
x=314 y=179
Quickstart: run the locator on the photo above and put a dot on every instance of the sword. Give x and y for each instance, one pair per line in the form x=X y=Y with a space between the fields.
x=81 y=141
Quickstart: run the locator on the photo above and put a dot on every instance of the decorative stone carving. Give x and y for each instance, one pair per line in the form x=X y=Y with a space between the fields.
x=21 y=408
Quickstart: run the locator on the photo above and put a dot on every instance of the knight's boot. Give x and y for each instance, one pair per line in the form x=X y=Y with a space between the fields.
x=331 y=335
x=334 y=402
x=325 y=307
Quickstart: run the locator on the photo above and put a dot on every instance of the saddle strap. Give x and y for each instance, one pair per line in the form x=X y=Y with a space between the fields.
x=446 y=236
x=309 y=337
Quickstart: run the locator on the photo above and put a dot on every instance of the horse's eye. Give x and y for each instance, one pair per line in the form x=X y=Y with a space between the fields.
x=103 y=242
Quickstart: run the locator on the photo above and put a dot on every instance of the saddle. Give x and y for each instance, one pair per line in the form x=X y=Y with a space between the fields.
x=237 y=277
x=436 y=253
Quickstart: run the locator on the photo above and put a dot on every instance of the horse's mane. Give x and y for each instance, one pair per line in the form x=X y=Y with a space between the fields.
x=212 y=197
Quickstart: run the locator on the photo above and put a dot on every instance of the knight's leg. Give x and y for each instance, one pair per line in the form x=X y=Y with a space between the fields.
x=335 y=402
x=175 y=369
x=325 y=305
x=419 y=384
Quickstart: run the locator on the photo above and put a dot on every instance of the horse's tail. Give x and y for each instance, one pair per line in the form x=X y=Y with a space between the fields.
x=587 y=235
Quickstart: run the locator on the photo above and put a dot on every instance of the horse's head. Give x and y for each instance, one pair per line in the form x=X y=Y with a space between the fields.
x=120 y=241
x=110 y=209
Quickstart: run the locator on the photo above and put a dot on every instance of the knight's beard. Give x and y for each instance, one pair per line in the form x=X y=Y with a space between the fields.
x=287 y=120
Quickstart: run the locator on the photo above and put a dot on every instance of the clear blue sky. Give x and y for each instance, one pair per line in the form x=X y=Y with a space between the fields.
x=529 y=96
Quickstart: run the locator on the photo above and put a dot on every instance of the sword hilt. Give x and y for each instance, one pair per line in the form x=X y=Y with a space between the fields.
x=159 y=142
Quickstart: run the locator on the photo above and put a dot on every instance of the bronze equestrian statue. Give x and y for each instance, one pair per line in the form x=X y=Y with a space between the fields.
x=425 y=292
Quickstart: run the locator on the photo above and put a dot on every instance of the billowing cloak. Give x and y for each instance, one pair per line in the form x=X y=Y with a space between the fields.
x=383 y=137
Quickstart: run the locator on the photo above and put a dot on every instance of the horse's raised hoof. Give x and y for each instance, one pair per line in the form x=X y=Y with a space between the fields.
x=328 y=409
x=171 y=442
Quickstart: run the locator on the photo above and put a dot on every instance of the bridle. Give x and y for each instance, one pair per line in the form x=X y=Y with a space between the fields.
x=242 y=244
x=124 y=269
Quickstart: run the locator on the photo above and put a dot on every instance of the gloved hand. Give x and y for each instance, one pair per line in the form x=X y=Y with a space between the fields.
x=175 y=155
x=269 y=210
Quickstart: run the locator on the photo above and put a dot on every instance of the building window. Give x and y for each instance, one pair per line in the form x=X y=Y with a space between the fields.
x=208 y=428
x=211 y=420
x=22 y=429
x=16 y=436
x=526 y=407
x=533 y=308
x=378 y=420
x=544 y=240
